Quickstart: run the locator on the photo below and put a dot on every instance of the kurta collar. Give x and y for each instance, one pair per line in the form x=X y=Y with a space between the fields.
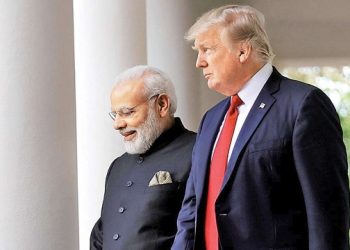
x=166 y=137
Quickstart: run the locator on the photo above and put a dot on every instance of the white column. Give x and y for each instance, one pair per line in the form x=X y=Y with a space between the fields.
x=110 y=36
x=38 y=186
x=167 y=22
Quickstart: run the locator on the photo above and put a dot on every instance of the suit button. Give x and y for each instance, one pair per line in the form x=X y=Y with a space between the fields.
x=129 y=183
x=140 y=160
x=121 y=210
x=116 y=237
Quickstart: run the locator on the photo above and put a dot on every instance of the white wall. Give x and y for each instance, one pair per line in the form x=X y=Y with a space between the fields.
x=38 y=180
x=167 y=22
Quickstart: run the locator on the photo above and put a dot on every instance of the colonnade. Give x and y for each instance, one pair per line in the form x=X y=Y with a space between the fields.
x=56 y=73
x=38 y=174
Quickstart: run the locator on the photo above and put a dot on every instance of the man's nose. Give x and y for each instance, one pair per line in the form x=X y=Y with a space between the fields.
x=119 y=123
x=201 y=62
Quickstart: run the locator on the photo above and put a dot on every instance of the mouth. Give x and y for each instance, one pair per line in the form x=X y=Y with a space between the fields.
x=129 y=135
x=207 y=75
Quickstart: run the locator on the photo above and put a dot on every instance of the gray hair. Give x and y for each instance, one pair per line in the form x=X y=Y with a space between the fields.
x=156 y=82
x=240 y=23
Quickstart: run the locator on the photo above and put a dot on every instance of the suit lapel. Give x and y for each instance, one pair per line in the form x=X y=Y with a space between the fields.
x=204 y=148
x=260 y=108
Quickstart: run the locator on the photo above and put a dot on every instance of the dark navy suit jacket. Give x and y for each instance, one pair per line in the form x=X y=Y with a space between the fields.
x=286 y=184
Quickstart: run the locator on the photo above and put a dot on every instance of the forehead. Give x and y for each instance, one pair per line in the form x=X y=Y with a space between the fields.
x=208 y=37
x=128 y=93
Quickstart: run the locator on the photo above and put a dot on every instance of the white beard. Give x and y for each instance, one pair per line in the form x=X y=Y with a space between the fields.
x=146 y=134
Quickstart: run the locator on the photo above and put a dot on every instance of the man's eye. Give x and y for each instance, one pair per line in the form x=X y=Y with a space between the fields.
x=127 y=112
x=207 y=50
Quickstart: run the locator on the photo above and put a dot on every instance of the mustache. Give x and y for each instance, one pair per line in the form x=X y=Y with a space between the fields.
x=127 y=130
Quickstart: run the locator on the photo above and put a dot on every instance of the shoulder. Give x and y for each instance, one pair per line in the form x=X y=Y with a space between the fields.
x=295 y=86
x=182 y=134
x=301 y=94
x=291 y=93
x=189 y=135
x=184 y=141
x=288 y=86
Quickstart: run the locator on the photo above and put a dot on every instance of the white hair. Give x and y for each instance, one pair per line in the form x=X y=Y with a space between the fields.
x=239 y=23
x=155 y=81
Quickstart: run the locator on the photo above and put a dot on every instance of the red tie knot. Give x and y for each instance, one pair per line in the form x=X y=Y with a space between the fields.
x=235 y=102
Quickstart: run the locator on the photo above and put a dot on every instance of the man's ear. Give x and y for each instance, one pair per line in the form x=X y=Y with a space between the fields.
x=163 y=104
x=245 y=49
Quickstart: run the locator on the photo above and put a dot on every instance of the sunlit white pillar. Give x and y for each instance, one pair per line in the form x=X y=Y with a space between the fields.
x=110 y=36
x=167 y=22
x=38 y=186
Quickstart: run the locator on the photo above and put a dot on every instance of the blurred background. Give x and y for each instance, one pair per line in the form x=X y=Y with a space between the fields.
x=58 y=62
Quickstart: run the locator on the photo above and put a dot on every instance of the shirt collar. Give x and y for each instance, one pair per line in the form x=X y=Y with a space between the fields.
x=252 y=88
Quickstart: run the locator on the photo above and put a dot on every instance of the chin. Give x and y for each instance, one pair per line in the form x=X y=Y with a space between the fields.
x=213 y=85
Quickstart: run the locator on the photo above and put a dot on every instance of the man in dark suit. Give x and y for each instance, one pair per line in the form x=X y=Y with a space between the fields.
x=145 y=186
x=269 y=167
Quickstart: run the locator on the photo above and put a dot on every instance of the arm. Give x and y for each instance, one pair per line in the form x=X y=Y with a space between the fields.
x=186 y=221
x=321 y=165
x=96 y=236
x=184 y=238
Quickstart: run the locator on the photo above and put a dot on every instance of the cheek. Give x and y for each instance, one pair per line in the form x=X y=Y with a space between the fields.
x=137 y=120
x=219 y=67
x=227 y=74
x=228 y=69
x=221 y=74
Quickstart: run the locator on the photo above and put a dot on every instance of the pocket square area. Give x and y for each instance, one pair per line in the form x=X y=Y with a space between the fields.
x=159 y=178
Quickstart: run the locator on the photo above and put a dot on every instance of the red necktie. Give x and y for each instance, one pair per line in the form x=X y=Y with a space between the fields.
x=216 y=173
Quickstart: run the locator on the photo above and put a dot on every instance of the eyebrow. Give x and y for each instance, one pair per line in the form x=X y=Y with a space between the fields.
x=205 y=45
x=123 y=108
x=126 y=107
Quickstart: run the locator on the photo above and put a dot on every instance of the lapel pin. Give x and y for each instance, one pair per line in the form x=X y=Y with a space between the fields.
x=262 y=105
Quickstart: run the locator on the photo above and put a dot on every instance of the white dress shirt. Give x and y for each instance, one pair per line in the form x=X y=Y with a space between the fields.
x=248 y=95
